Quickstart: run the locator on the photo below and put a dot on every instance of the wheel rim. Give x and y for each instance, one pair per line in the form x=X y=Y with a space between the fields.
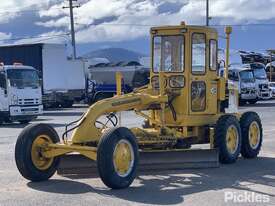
x=254 y=135
x=123 y=158
x=38 y=160
x=232 y=139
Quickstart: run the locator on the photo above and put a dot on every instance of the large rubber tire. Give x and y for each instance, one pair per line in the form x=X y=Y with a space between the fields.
x=242 y=102
x=23 y=152
x=247 y=119
x=67 y=104
x=220 y=142
x=105 y=156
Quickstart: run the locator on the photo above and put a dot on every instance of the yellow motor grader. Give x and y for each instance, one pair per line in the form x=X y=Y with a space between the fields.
x=185 y=103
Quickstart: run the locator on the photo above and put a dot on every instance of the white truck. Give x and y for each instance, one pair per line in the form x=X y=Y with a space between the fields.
x=63 y=79
x=20 y=94
x=262 y=82
x=244 y=78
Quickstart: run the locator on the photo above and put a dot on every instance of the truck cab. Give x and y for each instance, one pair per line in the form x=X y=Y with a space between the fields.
x=261 y=80
x=20 y=93
x=246 y=84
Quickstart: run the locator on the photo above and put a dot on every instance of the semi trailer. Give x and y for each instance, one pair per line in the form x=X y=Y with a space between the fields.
x=63 y=80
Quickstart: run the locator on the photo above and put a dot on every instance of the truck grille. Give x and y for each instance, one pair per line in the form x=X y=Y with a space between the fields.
x=263 y=86
x=28 y=101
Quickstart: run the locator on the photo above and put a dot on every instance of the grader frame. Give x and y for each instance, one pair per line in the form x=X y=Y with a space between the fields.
x=184 y=104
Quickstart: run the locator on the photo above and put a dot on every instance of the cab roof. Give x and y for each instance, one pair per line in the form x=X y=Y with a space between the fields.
x=183 y=26
x=6 y=67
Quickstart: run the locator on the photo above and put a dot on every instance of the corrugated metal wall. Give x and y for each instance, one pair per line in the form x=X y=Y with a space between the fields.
x=30 y=55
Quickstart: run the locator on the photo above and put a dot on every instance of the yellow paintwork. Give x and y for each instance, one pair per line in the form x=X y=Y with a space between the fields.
x=53 y=150
x=187 y=123
x=228 y=31
x=118 y=83
x=254 y=134
x=123 y=158
x=87 y=131
x=232 y=138
x=40 y=161
x=143 y=98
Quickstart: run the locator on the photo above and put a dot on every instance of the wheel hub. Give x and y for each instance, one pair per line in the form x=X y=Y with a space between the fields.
x=232 y=139
x=38 y=160
x=123 y=158
x=254 y=135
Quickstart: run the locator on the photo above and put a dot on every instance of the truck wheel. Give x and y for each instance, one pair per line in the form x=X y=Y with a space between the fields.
x=242 y=102
x=228 y=138
x=254 y=101
x=67 y=104
x=29 y=160
x=252 y=134
x=117 y=158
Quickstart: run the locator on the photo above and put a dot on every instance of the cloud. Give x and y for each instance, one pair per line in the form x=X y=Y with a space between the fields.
x=52 y=37
x=4 y=37
x=120 y=20
x=15 y=8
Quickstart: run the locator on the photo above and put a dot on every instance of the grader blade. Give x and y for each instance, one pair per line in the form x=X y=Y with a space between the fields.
x=150 y=161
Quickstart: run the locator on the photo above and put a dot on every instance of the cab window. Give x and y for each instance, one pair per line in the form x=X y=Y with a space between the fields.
x=213 y=55
x=232 y=75
x=198 y=53
x=168 y=54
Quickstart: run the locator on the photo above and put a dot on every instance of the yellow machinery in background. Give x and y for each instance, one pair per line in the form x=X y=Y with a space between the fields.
x=184 y=104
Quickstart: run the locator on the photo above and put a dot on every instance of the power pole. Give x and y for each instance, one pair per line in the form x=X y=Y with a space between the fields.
x=71 y=7
x=207 y=13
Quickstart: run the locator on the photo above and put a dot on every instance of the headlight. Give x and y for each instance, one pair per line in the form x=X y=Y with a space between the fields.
x=176 y=81
x=14 y=100
x=155 y=82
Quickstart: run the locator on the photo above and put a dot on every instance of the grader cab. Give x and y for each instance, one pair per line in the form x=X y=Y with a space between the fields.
x=183 y=105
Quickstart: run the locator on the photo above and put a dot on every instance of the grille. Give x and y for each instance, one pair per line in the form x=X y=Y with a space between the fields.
x=28 y=101
x=263 y=86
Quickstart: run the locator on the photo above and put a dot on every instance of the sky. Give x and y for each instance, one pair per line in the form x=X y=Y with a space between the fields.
x=126 y=23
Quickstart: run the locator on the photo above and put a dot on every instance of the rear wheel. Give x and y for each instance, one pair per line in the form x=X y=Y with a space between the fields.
x=67 y=104
x=117 y=158
x=28 y=152
x=228 y=138
x=242 y=102
x=252 y=134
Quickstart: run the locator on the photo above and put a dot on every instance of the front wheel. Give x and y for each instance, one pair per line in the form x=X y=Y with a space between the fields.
x=228 y=138
x=117 y=158
x=28 y=152
x=252 y=134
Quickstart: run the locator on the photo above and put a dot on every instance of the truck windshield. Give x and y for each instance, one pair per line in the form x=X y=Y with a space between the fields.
x=260 y=73
x=168 y=55
x=22 y=78
x=247 y=76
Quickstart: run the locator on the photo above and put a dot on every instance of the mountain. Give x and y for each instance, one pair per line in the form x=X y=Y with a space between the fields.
x=115 y=54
